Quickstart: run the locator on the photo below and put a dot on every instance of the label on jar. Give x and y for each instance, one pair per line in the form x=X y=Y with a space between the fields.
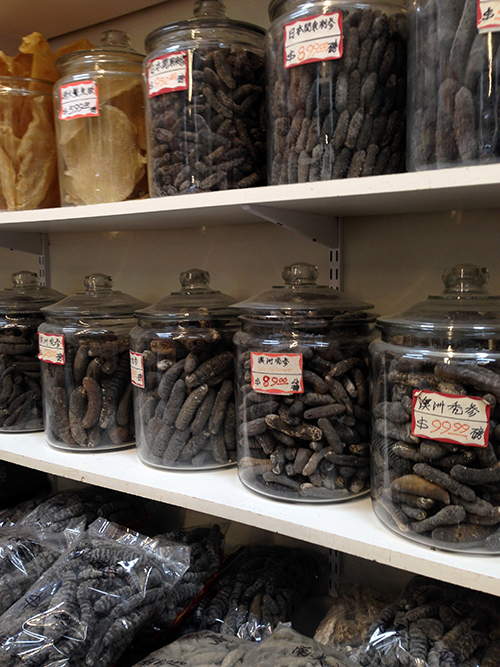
x=488 y=15
x=51 y=348
x=274 y=373
x=313 y=39
x=137 y=369
x=167 y=74
x=79 y=100
x=462 y=420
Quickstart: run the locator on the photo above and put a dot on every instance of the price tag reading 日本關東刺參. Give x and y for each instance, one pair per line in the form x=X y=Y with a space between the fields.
x=166 y=74
x=137 y=369
x=488 y=15
x=313 y=39
x=274 y=373
x=79 y=100
x=51 y=348
x=462 y=420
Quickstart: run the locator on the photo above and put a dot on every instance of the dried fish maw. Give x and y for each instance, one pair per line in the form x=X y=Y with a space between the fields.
x=22 y=64
x=44 y=61
x=37 y=157
x=7 y=180
x=10 y=143
x=112 y=86
x=103 y=163
x=132 y=103
x=78 y=45
x=68 y=129
x=6 y=65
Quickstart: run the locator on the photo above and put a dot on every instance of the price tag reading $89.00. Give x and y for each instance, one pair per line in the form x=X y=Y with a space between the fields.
x=276 y=373
x=167 y=74
x=488 y=15
x=79 y=100
x=51 y=348
x=462 y=420
x=137 y=369
x=313 y=39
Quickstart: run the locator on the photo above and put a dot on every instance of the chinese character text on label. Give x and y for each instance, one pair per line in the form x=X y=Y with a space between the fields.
x=79 y=100
x=277 y=373
x=137 y=369
x=313 y=40
x=167 y=74
x=51 y=348
x=488 y=15
x=463 y=420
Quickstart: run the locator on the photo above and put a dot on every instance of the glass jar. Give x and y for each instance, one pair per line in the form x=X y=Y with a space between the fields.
x=206 y=104
x=20 y=389
x=336 y=88
x=436 y=415
x=28 y=165
x=84 y=347
x=182 y=370
x=453 y=73
x=100 y=123
x=302 y=398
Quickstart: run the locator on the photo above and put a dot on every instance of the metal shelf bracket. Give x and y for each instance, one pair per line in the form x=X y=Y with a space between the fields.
x=34 y=243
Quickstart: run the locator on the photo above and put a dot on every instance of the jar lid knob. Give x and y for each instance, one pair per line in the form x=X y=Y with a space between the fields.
x=116 y=38
x=209 y=8
x=195 y=279
x=465 y=278
x=300 y=274
x=25 y=279
x=98 y=282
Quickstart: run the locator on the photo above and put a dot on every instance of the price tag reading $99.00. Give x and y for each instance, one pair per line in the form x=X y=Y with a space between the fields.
x=79 y=100
x=488 y=15
x=51 y=348
x=276 y=373
x=137 y=369
x=313 y=39
x=167 y=74
x=462 y=420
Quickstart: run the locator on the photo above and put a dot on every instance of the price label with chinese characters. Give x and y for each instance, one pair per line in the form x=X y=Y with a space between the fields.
x=167 y=74
x=488 y=15
x=462 y=420
x=137 y=369
x=79 y=100
x=51 y=348
x=277 y=373
x=313 y=40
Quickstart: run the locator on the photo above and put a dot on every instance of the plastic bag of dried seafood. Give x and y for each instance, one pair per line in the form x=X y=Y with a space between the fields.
x=90 y=604
x=353 y=610
x=11 y=515
x=434 y=624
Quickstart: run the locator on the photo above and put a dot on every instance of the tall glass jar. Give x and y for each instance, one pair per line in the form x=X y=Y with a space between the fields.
x=453 y=75
x=336 y=82
x=29 y=157
x=182 y=370
x=206 y=104
x=302 y=378
x=100 y=123
x=436 y=416
x=20 y=387
x=84 y=348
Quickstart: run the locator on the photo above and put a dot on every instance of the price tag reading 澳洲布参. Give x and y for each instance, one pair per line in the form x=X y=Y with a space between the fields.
x=51 y=348
x=166 y=74
x=274 y=373
x=137 y=369
x=313 y=40
x=462 y=420
x=488 y=15
x=79 y=100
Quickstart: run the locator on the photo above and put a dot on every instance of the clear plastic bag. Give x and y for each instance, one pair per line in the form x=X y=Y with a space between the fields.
x=10 y=516
x=86 y=609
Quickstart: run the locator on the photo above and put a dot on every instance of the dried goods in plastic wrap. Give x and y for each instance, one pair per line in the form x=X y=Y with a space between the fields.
x=90 y=604
x=354 y=608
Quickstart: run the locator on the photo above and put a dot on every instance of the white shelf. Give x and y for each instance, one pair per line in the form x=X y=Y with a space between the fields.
x=350 y=527
x=440 y=190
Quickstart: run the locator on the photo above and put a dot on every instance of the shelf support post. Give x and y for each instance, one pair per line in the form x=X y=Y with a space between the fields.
x=34 y=243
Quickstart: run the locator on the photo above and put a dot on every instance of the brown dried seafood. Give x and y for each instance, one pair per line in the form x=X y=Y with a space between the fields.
x=341 y=118
x=447 y=494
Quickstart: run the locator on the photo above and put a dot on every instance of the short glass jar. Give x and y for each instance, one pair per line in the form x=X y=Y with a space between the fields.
x=206 y=104
x=182 y=370
x=100 y=123
x=336 y=82
x=436 y=414
x=20 y=386
x=302 y=399
x=84 y=348
x=28 y=156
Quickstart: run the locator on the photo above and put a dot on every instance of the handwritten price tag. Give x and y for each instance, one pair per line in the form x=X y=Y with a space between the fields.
x=79 y=100
x=51 y=348
x=488 y=15
x=276 y=373
x=137 y=369
x=167 y=74
x=462 y=420
x=313 y=40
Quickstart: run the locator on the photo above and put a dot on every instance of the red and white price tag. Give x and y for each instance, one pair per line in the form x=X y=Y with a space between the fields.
x=488 y=15
x=51 y=348
x=79 y=100
x=313 y=39
x=462 y=420
x=167 y=74
x=137 y=369
x=276 y=373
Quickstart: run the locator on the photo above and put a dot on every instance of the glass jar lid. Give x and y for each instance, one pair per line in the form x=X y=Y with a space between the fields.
x=279 y=7
x=114 y=52
x=27 y=295
x=98 y=300
x=209 y=16
x=300 y=296
x=464 y=309
x=195 y=301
